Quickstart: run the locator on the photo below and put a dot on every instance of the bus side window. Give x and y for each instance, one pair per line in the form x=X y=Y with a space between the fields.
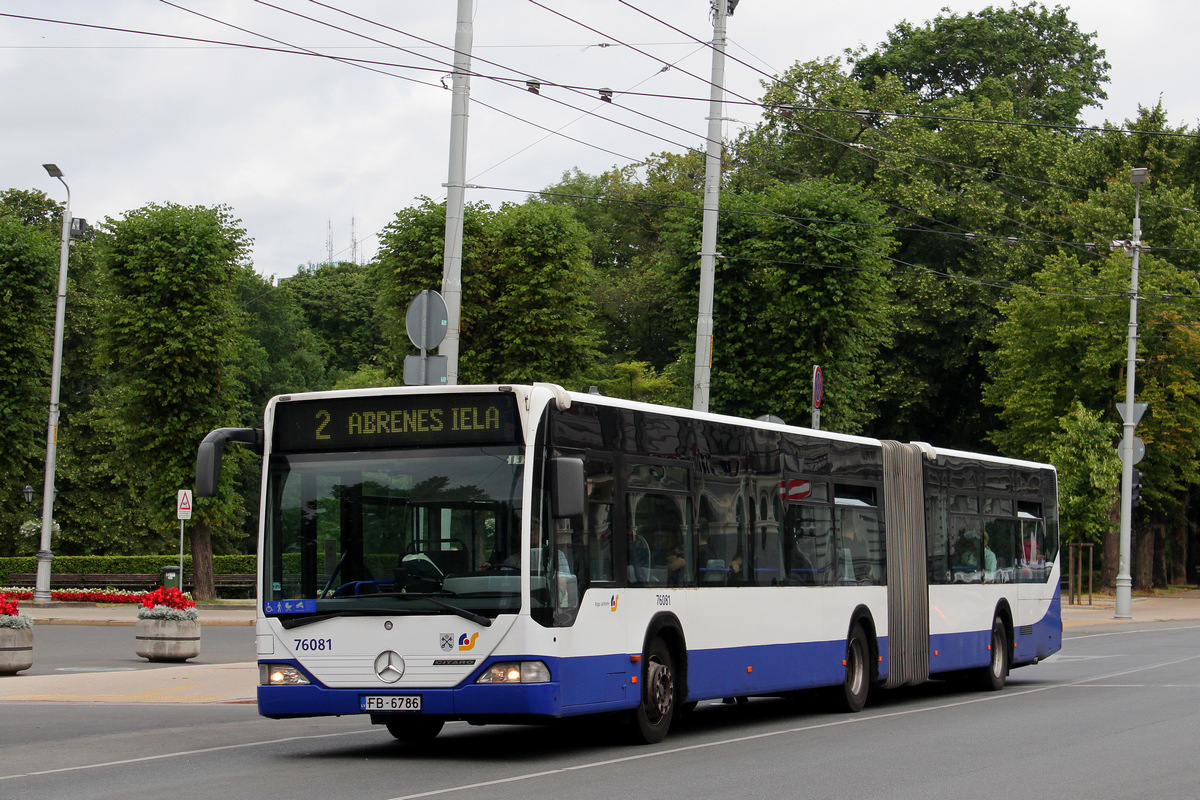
x=659 y=544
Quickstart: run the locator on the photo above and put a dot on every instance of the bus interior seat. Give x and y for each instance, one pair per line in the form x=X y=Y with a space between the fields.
x=416 y=572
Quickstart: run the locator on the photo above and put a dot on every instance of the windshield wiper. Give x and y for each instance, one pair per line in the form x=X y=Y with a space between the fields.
x=298 y=621
x=301 y=620
x=432 y=597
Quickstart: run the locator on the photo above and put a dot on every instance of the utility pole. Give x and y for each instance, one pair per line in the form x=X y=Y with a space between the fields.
x=456 y=189
x=1131 y=414
x=712 y=205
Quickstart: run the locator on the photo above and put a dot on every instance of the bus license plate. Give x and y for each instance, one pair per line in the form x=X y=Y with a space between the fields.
x=391 y=702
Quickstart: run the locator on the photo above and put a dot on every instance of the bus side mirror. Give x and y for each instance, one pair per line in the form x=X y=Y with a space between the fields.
x=208 y=456
x=568 y=487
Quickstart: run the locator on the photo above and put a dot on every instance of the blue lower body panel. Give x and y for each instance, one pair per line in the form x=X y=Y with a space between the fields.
x=465 y=700
x=595 y=684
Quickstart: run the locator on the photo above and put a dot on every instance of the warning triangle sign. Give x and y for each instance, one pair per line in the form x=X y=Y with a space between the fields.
x=183 y=504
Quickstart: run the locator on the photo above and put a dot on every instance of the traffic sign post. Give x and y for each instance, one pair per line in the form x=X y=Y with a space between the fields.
x=425 y=321
x=818 y=392
x=183 y=510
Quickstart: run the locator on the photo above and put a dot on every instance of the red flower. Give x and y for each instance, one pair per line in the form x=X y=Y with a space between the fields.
x=8 y=605
x=169 y=597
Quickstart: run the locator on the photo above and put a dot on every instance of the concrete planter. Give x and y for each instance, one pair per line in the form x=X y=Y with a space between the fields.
x=168 y=639
x=16 y=650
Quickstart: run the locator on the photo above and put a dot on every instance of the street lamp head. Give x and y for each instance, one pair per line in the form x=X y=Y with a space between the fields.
x=28 y=493
x=1137 y=175
x=53 y=170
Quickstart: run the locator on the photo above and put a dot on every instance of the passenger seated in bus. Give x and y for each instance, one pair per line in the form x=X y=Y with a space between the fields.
x=989 y=558
x=737 y=572
x=676 y=567
x=511 y=562
x=968 y=556
x=566 y=598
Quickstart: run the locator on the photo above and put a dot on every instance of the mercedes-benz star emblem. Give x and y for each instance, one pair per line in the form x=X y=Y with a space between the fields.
x=389 y=666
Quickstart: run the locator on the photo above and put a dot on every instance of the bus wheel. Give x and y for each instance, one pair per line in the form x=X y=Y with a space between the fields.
x=415 y=730
x=992 y=677
x=858 y=671
x=652 y=719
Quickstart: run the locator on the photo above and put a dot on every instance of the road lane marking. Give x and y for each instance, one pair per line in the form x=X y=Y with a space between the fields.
x=180 y=754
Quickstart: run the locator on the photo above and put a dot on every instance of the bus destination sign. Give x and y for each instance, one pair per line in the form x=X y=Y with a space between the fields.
x=386 y=421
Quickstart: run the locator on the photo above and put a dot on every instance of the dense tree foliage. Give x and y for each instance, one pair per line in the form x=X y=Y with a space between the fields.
x=28 y=257
x=338 y=306
x=527 y=282
x=1033 y=57
x=173 y=326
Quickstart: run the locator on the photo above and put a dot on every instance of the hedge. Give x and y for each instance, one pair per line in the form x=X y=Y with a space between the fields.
x=119 y=565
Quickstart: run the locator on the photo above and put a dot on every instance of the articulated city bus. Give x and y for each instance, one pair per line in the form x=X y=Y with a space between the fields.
x=526 y=554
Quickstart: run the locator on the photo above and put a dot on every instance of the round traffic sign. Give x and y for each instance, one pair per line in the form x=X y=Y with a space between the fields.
x=425 y=320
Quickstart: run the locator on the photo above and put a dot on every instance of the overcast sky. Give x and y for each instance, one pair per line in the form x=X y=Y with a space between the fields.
x=295 y=144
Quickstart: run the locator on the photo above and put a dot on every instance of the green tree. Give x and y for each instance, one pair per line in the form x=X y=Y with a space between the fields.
x=537 y=326
x=626 y=212
x=1067 y=345
x=174 y=330
x=28 y=260
x=526 y=290
x=953 y=192
x=1036 y=58
x=803 y=280
x=1089 y=473
x=339 y=303
x=280 y=354
x=409 y=261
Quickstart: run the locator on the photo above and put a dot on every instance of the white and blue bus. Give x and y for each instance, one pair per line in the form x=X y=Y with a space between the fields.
x=525 y=554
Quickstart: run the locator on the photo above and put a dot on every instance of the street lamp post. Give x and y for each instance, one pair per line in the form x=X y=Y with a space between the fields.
x=41 y=590
x=1130 y=414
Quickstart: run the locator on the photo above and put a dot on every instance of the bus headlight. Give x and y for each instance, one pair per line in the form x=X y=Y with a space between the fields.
x=516 y=672
x=280 y=675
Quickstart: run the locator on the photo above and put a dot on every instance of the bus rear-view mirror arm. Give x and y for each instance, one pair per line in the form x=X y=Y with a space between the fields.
x=208 y=456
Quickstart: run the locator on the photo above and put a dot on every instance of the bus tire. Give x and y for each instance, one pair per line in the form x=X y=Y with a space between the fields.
x=992 y=677
x=414 y=730
x=659 y=702
x=857 y=683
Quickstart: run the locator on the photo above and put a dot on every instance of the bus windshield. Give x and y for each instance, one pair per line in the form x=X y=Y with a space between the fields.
x=430 y=531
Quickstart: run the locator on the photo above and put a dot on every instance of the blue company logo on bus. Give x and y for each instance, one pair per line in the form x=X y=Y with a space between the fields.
x=289 y=606
x=612 y=603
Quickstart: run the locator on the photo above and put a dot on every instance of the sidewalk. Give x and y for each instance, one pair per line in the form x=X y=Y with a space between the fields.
x=236 y=683
x=229 y=613
x=1162 y=608
x=186 y=683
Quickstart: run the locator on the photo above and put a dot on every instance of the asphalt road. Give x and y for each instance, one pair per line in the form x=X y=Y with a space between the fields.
x=1115 y=715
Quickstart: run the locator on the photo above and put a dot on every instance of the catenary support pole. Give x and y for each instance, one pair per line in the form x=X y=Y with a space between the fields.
x=712 y=205
x=1124 y=598
x=456 y=189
